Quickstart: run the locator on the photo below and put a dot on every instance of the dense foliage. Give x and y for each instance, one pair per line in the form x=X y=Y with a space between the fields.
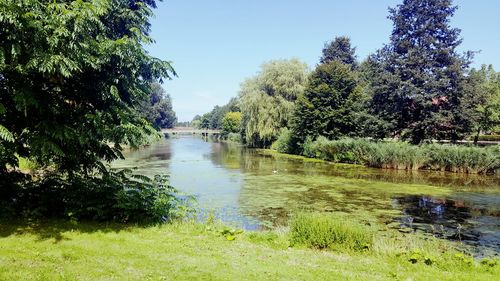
x=157 y=109
x=117 y=196
x=65 y=100
x=73 y=75
x=331 y=105
x=267 y=100
x=483 y=94
x=420 y=78
x=231 y=123
x=214 y=119
x=339 y=49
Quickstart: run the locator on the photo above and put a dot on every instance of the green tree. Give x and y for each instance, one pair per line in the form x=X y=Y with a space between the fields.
x=196 y=122
x=157 y=108
x=331 y=104
x=420 y=84
x=216 y=115
x=339 y=50
x=205 y=121
x=267 y=100
x=231 y=122
x=71 y=75
x=483 y=100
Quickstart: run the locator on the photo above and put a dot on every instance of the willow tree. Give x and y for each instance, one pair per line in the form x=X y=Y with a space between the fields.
x=267 y=100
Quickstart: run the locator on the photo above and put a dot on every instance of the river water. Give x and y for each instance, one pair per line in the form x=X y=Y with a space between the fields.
x=256 y=189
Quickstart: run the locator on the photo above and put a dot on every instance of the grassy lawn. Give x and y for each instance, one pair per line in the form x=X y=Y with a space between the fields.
x=55 y=250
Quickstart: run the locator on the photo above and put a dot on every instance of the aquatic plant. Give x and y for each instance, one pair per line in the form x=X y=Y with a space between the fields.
x=404 y=156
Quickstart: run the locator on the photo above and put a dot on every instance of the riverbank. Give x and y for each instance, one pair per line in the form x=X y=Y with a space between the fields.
x=56 y=250
x=398 y=155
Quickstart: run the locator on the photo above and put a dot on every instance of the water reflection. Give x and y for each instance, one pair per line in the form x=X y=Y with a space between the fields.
x=254 y=189
x=465 y=221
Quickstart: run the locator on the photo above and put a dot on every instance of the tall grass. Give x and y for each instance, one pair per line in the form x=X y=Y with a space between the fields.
x=404 y=156
x=321 y=231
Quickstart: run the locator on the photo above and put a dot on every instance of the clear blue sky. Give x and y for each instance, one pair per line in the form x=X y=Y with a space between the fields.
x=214 y=45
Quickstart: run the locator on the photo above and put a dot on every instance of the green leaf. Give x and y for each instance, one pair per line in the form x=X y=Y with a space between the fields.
x=5 y=134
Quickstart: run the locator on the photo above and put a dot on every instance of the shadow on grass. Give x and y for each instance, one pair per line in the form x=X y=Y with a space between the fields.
x=46 y=229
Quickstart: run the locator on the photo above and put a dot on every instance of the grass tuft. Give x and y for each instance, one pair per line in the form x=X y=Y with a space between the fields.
x=322 y=231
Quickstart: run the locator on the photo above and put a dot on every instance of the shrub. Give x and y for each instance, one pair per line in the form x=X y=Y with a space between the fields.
x=284 y=142
x=326 y=231
x=463 y=158
x=308 y=148
x=115 y=196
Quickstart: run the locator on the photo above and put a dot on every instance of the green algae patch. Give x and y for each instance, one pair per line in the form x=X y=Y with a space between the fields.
x=280 y=155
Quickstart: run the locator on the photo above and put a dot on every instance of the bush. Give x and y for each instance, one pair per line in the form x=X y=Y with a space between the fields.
x=309 y=148
x=326 y=231
x=284 y=142
x=115 y=196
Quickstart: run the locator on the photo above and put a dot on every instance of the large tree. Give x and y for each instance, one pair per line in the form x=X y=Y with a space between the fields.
x=420 y=82
x=72 y=74
x=331 y=105
x=267 y=100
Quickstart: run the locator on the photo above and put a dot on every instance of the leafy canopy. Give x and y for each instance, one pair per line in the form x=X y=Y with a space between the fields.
x=330 y=104
x=157 y=108
x=231 y=122
x=267 y=100
x=72 y=74
x=420 y=76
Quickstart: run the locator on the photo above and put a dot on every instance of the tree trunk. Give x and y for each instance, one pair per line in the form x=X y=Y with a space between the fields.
x=476 y=138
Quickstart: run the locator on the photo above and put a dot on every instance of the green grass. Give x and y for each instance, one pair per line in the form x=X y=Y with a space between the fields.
x=321 y=231
x=55 y=250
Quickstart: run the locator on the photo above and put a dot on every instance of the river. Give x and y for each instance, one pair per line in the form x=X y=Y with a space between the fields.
x=256 y=189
